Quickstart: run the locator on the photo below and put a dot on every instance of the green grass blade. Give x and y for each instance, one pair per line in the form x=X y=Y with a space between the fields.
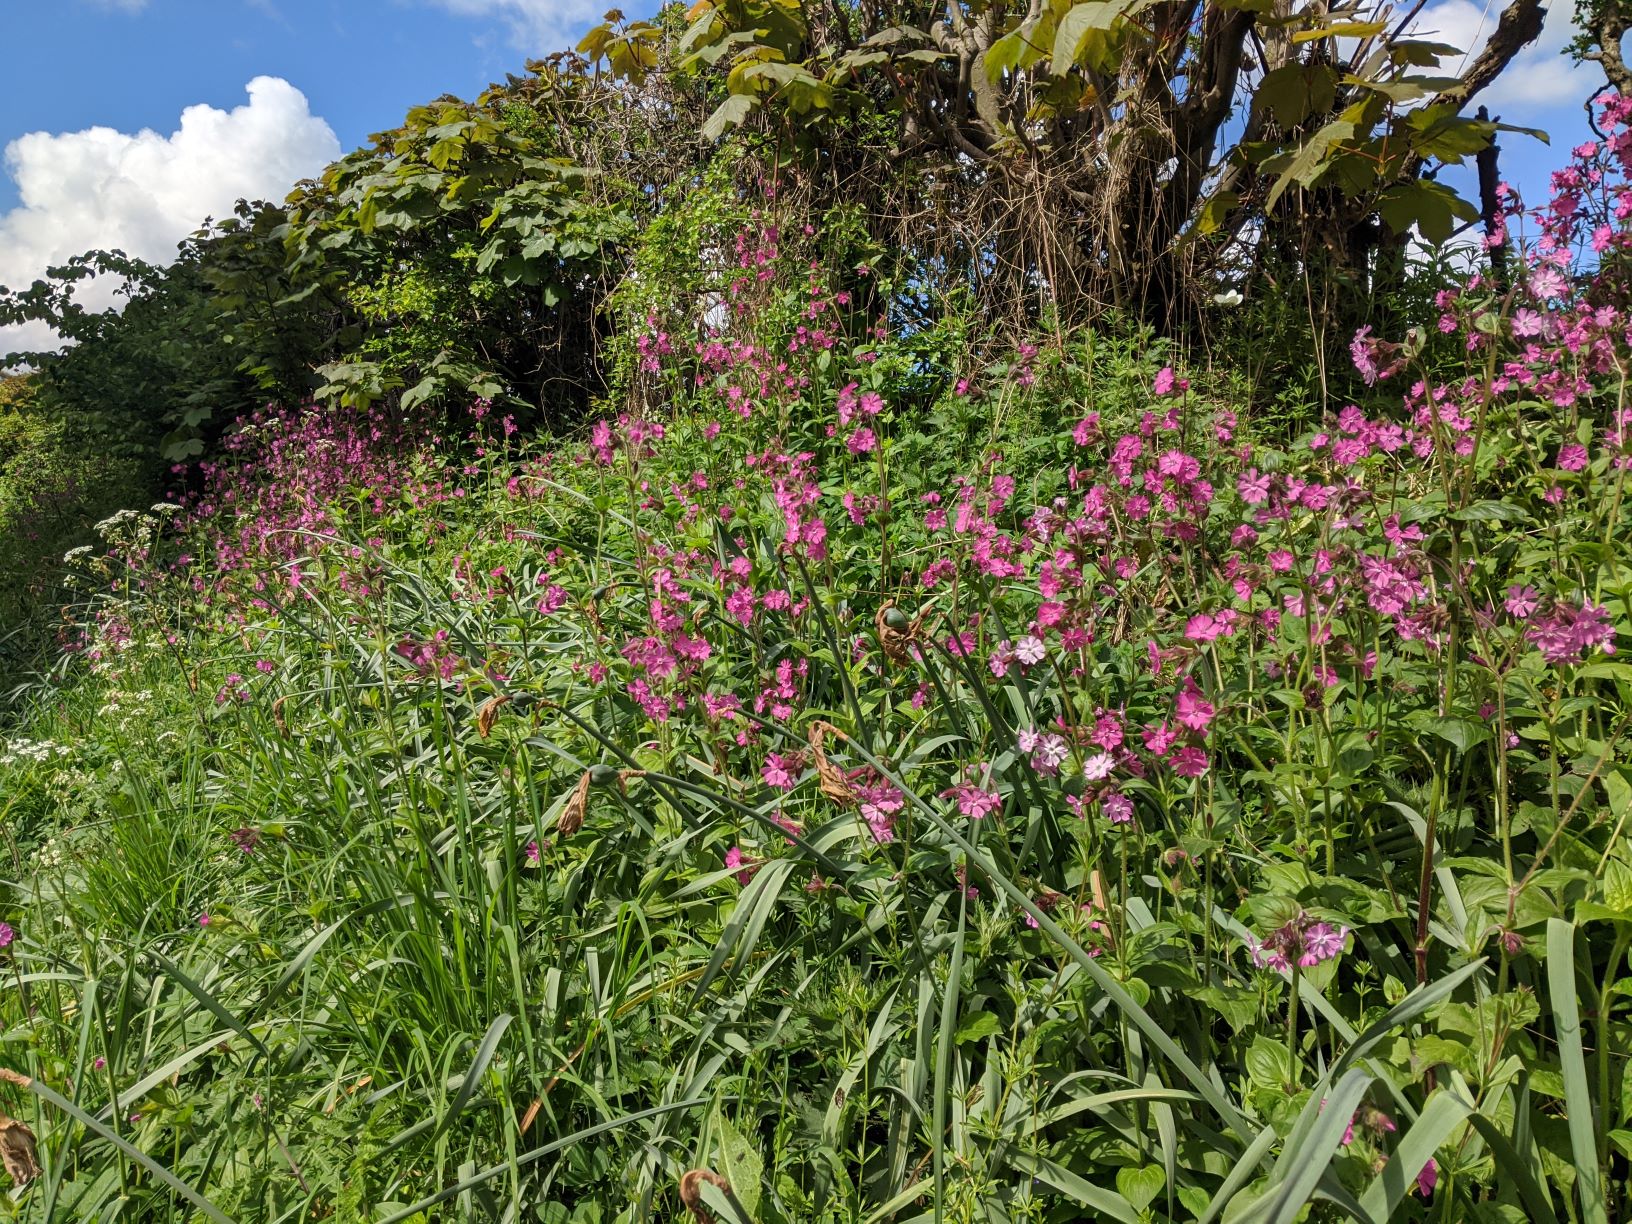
x=1443 y=1113
x=478 y=1068
x=105 y=1131
x=1577 y=1094
x=483 y=1176
x=1308 y=1152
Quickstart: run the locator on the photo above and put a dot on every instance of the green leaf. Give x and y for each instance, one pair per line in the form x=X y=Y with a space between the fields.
x=1269 y=1063
x=977 y=1027
x=1434 y=209
x=1561 y=989
x=1342 y=29
x=1293 y=92
x=1140 y=1186
x=740 y=1163
x=1311 y=160
x=733 y=112
x=1460 y=732
x=1075 y=26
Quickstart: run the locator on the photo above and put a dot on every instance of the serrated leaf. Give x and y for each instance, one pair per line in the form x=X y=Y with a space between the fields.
x=733 y=112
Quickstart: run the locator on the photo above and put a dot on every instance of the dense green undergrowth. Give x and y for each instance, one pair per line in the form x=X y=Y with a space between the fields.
x=908 y=778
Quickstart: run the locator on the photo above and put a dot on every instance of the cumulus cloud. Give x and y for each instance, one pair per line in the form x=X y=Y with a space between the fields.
x=142 y=193
x=1541 y=78
x=536 y=26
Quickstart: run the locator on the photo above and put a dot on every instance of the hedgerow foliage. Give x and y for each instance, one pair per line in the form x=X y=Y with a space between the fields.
x=866 y=776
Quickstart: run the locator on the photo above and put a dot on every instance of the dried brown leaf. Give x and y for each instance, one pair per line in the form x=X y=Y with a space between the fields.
x=572 y=816
x=834 y=784
x=896 y=642
x=489 y=713
x=691 y=1192
x=17 y=1151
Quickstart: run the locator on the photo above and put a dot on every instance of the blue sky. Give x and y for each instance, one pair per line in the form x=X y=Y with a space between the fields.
x=125 y=122
x=360 y=63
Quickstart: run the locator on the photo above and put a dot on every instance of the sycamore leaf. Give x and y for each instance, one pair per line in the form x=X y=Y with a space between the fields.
x=1311 y=161
x=1081 y=20
x=733 y=112
x=1342 y=29
x=1293 y=92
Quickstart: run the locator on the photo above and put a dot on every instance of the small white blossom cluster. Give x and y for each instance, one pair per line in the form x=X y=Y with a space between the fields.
x=67 y=785
x=50 y=855
x=125 y=709
x=32 y=752
x=111 y=525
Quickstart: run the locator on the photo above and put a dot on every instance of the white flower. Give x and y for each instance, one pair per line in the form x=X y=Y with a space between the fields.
x=1051 y=753
x=1230 y=297
x=1097 y=767
x=1030 y=650
x=74 y=554
x=166 y=508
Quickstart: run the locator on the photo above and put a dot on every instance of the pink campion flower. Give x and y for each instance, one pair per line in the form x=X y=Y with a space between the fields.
x=974 y=800
x=1321 y=941
x=735 y=858
x=1521 y=601
x=1118 y=808
x=1567 y=634
x=1192 y=709
x=1548 y=283
x=862 y=441
x=1303 y=940
x=533 y=854
x=1360 y=352
x=1189 y=762
x=1087 y=430
x=1159 y=738
x=6 y=934
x=1108 y=733
x=878 y=804
x=1428 y=1178
x=1572 y=457
x=1528 y=322
x=999 y=660
x=204 y=919
x=1165 y=381
x=1253 y=486
x=782 y=771
x=1204 y=627
x=1047 y=750
x=740 y=604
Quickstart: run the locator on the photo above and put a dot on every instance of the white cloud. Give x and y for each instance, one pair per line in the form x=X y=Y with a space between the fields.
x=1540 y=78
x=143 y=193
x=536 y=26
x=123 y=6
